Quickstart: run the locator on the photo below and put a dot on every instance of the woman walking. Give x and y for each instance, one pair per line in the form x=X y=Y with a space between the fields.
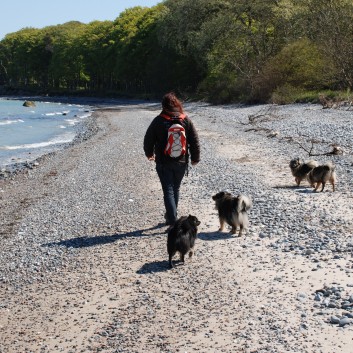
x=170 y=140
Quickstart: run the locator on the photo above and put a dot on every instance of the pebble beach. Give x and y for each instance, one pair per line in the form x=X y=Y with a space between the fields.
x=83 y=258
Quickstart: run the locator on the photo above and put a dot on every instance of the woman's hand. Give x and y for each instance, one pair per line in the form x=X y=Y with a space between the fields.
x=151 y=158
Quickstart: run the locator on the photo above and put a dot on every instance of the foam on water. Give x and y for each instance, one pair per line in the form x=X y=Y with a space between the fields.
x=8 y=122
x=55 y=141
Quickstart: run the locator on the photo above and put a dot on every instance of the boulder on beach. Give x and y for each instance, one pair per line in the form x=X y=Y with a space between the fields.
x=29 y=104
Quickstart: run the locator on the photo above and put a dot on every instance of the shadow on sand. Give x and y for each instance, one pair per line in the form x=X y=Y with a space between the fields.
x=154 y=267
x=215 y=236
x=162 y=266
x=85 y=242
x=301 y=189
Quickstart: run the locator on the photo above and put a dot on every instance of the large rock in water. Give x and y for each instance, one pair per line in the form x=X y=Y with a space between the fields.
x=29 y=104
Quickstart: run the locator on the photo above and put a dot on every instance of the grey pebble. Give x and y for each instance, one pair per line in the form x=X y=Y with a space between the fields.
x=345 y=321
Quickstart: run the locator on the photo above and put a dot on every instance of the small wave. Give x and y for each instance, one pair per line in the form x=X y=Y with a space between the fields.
x=56 y=141
x=71 y=121
x=84 y=116
x=50 y=114
x=8 y=122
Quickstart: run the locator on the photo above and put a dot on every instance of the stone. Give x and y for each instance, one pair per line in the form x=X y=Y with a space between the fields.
x=29 y=104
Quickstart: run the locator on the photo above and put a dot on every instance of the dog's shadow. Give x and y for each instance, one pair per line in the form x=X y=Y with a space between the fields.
x=153 y=267
x=211 y=236
x=158 y=266
x=306 y=191
x=301 y=189
x=287 y=187
x=88 y=241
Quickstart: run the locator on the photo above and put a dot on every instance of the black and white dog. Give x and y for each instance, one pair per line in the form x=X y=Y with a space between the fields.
x=232 y=210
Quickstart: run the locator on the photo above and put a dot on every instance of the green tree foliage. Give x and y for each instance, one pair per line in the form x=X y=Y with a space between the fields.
x=17 y=48
x=249 y=33
x=96 y=47
x=66 y=66
x=135 y=33
x=299 y=64
x=330 y=24
x=190 y=29
x=221 y=50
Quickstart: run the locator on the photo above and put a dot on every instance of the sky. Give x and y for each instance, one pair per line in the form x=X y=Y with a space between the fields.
x=18 y=14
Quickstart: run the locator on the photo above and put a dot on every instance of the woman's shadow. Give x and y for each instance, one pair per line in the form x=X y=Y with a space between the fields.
x=88 y=241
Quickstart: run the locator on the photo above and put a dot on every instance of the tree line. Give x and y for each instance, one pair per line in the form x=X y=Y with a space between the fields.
x=217 y=50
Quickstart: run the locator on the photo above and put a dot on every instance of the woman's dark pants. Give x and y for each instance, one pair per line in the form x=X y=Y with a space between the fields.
x=171 y=175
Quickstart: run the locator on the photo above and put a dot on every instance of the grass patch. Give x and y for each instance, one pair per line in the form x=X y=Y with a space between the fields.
x=288 y=94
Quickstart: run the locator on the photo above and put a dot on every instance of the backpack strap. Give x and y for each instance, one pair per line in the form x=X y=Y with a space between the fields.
x=167 y=117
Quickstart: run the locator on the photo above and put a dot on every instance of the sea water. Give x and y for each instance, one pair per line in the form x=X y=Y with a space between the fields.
x=26 y=133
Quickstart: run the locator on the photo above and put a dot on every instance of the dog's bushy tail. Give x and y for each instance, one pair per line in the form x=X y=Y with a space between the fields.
x=244 y=203
x=330 y=165
x=312 y=164
x=331 y=173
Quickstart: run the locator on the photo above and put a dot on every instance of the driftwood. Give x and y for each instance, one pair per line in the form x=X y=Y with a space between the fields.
x=336 y=150
x=328 y=103
x=270 y=115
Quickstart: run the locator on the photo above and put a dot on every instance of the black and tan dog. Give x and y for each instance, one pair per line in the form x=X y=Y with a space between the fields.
x=181 y=237
x=300 y=170
x=232 y=210
x=321 y=175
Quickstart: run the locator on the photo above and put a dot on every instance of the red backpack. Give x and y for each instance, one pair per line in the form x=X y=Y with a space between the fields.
x=176 y=143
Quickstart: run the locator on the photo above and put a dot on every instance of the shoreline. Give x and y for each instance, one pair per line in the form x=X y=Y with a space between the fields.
x=84 y=130
x=89 y=101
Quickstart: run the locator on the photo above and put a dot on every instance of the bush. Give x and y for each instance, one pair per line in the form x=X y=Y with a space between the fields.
x=285 y=94
x=298 y=67
x=223 y=88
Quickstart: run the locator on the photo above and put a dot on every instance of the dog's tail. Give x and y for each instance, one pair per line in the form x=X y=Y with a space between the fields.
x=330 y=165
x=312 y=164
x=244 y=203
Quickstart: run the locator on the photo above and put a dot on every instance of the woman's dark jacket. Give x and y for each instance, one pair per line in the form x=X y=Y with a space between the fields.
x=156 y=138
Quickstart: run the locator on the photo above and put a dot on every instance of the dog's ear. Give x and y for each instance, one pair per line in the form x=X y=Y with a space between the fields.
x=216 y=196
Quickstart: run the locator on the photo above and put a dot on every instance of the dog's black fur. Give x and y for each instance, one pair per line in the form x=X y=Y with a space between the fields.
x=232 y=210
x=181 y=237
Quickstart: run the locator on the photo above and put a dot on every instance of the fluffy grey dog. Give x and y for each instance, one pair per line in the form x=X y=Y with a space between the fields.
x=321 y=175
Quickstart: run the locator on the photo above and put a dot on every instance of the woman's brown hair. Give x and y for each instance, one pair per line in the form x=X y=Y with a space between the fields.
x=171 y=103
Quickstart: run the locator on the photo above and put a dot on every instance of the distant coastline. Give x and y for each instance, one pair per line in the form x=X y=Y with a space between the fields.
x=84 y=100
